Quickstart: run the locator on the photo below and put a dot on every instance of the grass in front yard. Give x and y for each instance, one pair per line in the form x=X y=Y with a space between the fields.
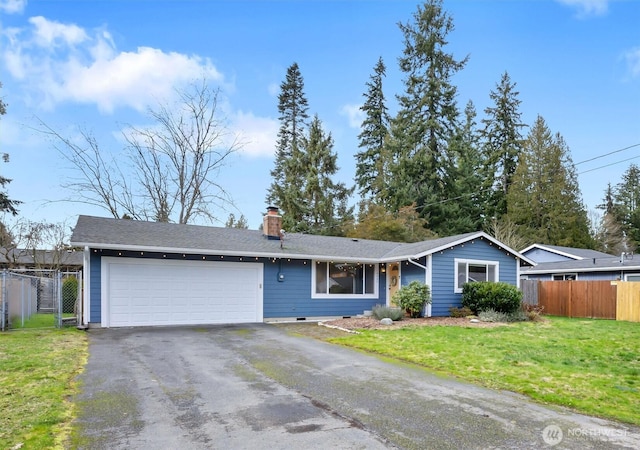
x=37 y=371
x=592 y=366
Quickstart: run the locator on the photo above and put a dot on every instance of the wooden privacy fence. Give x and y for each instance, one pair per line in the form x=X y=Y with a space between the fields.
x=618 y=300
x=628 y=307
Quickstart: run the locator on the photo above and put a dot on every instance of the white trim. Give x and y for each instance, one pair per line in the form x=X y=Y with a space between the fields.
x=86 y=285
x=376 y=282
x=478 y=235
x=626 y=275
x=107 y=261
x=479 y=262
x=428 y=279
x=554 y=251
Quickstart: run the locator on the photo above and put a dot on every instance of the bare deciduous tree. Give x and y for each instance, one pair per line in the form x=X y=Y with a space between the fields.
x=173 y=167
x=507 y=232
x=40 y=245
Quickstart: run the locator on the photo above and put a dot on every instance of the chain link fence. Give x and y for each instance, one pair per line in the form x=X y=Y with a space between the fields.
x=39 y=299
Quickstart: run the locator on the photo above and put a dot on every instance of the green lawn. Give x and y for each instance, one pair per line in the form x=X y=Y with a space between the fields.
x=37 y=372
x=592 y=366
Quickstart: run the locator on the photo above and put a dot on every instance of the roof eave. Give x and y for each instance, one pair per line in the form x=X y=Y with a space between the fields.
x=245 y=254
x=580 y=270
x=478 y=235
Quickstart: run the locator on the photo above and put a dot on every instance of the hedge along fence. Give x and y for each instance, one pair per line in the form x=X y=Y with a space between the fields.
x=606 y=299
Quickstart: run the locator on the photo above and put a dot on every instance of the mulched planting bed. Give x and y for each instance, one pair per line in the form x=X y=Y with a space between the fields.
x=369 y=323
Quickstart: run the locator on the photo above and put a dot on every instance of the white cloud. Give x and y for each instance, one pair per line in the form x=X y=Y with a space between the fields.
x=354 y=114
x=63 y=62
x=258 y=134
x=633 y=60
x=588 y=7
x=48 y=33
x=12 y=6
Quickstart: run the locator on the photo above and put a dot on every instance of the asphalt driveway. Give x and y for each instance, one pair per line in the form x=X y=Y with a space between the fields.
x=257 y=386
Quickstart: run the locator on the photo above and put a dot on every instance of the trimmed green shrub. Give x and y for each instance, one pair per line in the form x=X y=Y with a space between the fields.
x=501 y=297
x=385 y=312
x=69 y=295
x=412 y=298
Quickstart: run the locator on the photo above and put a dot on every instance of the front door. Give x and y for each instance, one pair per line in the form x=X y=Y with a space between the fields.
x=393 y=281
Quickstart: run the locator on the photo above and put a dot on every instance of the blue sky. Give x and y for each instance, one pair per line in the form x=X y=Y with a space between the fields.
x=100 y=64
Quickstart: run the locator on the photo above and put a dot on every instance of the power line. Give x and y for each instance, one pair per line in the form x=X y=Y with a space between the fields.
x=610 y=164
x=607 y=154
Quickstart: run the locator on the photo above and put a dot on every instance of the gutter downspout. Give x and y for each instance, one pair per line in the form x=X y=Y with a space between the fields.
x=425 y=268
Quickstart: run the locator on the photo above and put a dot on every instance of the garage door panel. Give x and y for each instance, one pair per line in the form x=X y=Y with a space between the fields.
x=146 y=292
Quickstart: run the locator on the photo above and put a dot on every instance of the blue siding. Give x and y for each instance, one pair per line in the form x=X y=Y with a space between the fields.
x=443 y=282
x=410 y=272
x=95 y=293
x=541 y=256
x=292 y=297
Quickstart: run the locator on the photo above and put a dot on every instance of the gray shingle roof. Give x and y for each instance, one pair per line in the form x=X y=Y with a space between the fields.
x=99 y=232
x=576 y=253
x=609 y=263
x=31 y=258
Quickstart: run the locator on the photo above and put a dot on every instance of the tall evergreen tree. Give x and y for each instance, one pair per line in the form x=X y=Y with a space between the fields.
x=287 y=173
x=323 y=198
x=544 y=199
x=503 y=142
x=465 y=177
x=372 y=162
x=610 y=235
x=626 y=204
x=426 y=120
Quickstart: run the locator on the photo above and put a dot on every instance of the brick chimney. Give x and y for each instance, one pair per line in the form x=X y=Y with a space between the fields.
x=272 y=223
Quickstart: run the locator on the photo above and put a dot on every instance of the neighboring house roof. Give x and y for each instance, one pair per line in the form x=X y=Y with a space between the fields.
x=105 y=233
x=606 y=264
x=567 y=252
x=30 y=258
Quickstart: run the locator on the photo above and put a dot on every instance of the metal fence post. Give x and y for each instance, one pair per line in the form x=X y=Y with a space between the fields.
x=3 y=301
x=58 y=288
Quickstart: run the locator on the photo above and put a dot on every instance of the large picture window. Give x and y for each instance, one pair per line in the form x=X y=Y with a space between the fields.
x=344 y=279
x=469 y=271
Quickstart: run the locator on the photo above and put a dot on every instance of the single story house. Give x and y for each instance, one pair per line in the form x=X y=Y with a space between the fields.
x=149 y=273
x=35 y=259
x=567 y=263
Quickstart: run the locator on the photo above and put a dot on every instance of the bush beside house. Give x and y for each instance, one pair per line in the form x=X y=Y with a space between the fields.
x=499 y=297
x=412 y=298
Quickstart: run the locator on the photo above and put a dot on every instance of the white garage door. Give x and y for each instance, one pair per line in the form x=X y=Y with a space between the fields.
x=138 y=292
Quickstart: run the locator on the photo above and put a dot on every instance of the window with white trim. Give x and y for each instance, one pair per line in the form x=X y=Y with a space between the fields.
x=331 y=279
x=632 y=277
x=471 y=270
x=564 y=276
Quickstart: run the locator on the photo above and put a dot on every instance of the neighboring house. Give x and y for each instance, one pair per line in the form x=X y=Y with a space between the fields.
x=149 y=273
x=29 y=259
x=567 y=263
